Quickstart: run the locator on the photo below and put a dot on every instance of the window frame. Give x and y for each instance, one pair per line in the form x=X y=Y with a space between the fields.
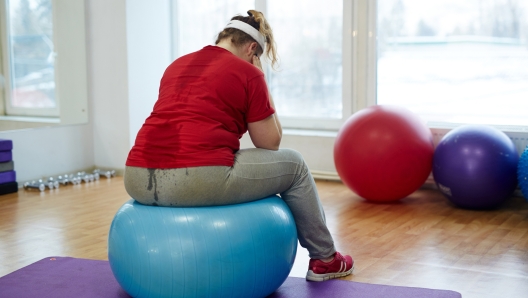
x=3 y=74
x=71 y=70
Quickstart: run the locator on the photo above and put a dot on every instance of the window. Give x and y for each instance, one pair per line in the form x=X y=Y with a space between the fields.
x=197 y=23
x=43 y=63
x=455 y=61
x=308 y=88
x=449 y=61
x=30 y=58
x=310 y=43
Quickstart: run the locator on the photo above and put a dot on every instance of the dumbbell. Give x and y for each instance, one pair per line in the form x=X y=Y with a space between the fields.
x=35 y=185
x=52 y=183
x=83 y=176
x=41 y=185
x=106 y=173
x=89 y=178
x=68 y=179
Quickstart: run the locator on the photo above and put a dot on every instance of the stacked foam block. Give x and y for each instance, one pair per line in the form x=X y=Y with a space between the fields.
x=8 y=182
x=522 y=173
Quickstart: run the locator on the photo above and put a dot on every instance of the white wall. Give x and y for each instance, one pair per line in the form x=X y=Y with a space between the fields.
x=317 y=148
x=149 y=53
x=108 y=83
x=48 y=151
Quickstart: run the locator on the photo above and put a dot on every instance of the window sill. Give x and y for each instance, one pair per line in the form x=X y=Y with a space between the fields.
x=504 y=128
x=309 y=132
x=443 y=126
x=24 y=122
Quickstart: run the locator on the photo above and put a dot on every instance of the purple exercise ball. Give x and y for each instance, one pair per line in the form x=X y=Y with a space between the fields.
x=475 y=167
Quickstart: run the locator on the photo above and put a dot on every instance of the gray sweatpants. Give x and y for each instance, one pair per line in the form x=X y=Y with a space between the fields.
x=256 y=173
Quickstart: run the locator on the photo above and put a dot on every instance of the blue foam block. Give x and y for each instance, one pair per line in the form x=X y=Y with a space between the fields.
x=6 y=145
x=6 y=177
x=522 y=173
x=6 y=156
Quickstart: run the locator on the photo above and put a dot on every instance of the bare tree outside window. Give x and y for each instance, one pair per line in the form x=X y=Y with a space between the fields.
x=198 y=22
x=31 y=54
x=455 y=61
x=310 y=41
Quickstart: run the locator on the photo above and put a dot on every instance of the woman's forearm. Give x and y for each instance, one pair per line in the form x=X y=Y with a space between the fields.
x=277 y=121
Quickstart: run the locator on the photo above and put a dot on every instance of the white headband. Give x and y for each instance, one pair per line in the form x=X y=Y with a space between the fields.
x=246 y=28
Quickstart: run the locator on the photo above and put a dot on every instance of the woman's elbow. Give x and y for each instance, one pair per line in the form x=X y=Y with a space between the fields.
x=275 y=147
x=270 y=145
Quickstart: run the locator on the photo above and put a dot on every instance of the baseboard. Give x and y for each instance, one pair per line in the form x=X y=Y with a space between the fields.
x=323 y=175
x=118 y=172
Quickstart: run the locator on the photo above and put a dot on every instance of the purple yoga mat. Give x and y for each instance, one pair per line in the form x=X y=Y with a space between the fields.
x=6 y=177
x=6 y=145
x=57 y=277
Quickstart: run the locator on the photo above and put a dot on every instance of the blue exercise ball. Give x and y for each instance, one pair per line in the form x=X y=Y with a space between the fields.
x=242 y=250
x=475 y=166
x=522 y=173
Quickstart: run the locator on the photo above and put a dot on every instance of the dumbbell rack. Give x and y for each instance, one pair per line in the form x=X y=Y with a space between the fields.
x=74 y=179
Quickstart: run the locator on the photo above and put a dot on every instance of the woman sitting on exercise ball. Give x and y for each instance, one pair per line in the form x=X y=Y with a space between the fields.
x=187 y=153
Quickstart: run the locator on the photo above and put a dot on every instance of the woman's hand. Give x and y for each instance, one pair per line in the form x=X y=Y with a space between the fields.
x=267 y=133
x=256 y=62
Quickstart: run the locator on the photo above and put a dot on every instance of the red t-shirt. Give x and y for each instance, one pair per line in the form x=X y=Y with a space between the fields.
x=205 y=101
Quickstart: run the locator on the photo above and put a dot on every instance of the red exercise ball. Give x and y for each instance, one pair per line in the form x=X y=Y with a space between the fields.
x=384 y=153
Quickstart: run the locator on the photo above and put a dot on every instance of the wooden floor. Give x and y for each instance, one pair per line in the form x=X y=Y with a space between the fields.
x=421 y=241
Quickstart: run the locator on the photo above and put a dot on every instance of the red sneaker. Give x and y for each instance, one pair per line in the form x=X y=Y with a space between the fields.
x=320 y=271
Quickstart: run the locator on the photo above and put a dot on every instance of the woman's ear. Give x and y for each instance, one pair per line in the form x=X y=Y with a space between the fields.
x=253 y=48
